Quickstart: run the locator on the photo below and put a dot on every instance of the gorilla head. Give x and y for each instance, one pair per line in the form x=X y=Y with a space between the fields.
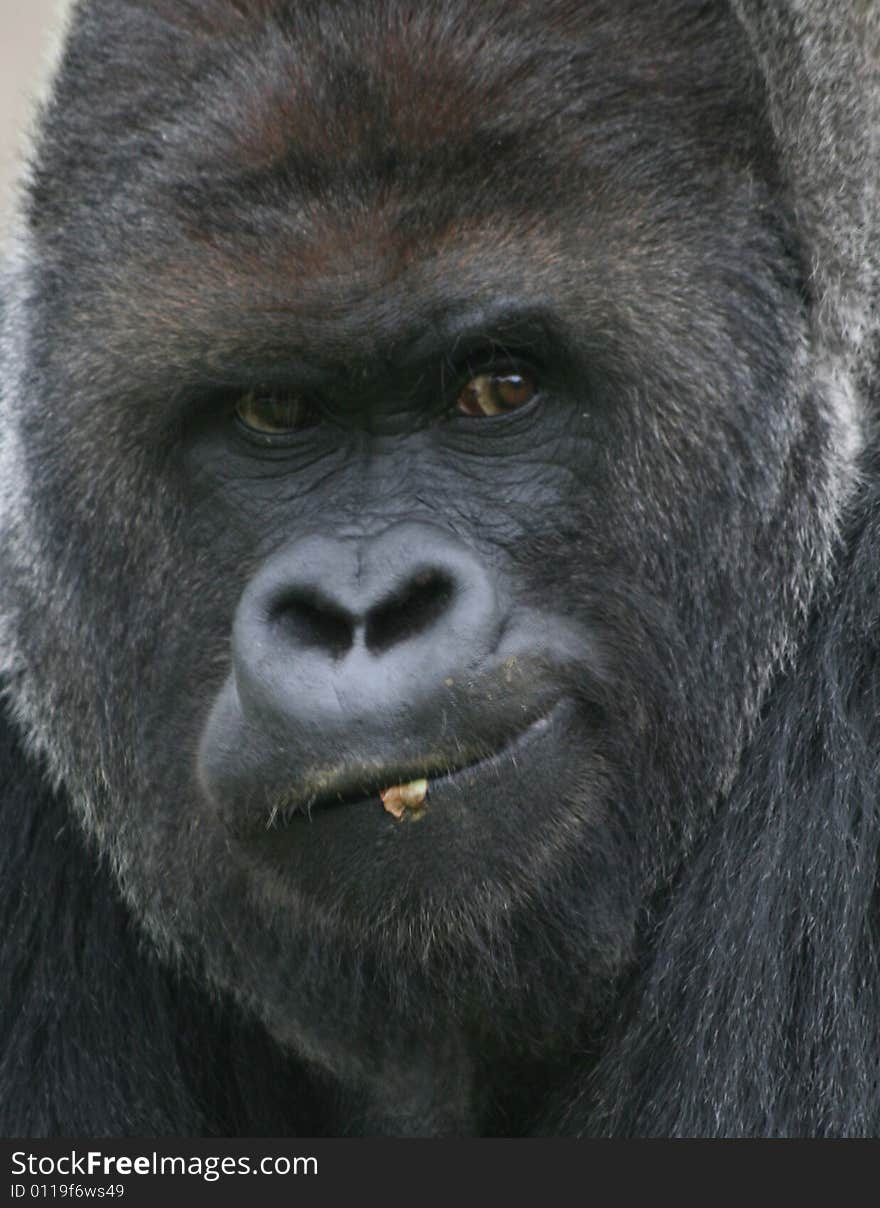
x=427 y=430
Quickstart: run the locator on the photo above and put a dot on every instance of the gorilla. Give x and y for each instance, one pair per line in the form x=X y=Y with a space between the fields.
x=440 y=590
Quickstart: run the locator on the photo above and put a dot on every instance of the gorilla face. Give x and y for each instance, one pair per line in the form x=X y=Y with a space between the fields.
x=419 y=496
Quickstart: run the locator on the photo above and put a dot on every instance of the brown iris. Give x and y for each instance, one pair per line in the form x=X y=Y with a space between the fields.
x=273 y=413
x=496 y=393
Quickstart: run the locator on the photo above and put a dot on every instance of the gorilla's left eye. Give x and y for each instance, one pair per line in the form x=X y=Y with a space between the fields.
x=274 y=412
x=496 y=393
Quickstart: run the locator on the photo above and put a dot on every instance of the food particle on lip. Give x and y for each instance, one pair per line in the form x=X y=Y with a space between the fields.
x=403 y=799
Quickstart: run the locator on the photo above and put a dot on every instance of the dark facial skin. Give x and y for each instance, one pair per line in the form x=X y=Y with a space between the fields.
x=391 y=640
x=310 y=570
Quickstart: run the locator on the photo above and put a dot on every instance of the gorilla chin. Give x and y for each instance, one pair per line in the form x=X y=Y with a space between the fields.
x=439 y=572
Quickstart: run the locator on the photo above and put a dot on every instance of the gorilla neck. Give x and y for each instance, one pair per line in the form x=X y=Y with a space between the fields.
x=430 y=1096
x=452 y=1090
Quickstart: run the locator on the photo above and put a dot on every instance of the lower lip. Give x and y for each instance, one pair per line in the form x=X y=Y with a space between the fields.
x=461 y=776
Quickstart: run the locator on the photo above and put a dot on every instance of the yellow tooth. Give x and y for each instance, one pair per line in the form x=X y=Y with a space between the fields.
x=402 y=797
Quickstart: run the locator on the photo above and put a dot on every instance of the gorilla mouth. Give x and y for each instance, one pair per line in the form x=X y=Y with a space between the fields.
x=405 y=790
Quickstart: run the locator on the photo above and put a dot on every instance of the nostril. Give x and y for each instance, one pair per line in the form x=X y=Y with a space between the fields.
x=311 y=621
x=414 y=609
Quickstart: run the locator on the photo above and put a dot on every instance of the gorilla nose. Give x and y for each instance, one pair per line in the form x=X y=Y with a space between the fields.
x=357 y=632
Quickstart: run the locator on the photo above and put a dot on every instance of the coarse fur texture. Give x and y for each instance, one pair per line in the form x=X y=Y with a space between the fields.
x=263 y=558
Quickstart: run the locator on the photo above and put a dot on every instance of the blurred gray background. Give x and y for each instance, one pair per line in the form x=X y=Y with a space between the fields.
x=25 y=43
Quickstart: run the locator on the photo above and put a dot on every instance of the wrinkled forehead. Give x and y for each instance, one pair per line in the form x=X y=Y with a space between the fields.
x=402 y=125
x=366 y=91
x=337 y=101
x=261 y=169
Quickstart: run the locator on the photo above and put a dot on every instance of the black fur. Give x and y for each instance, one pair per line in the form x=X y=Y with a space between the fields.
x=659 y=918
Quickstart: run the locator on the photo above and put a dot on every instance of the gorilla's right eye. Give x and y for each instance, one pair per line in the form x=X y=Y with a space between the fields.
x=274 y=412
